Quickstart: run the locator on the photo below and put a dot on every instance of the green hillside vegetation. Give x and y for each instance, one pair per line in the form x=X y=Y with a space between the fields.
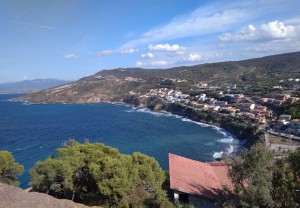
x=293 y=109
x=95 y=174
x=264 y=70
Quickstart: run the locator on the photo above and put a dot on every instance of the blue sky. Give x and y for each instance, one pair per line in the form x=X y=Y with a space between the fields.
x=71 y=39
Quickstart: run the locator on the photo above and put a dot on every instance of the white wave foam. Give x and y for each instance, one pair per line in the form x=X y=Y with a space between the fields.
x=229 y=138
x=146 y=110
x=222 y=132
x=117 y=103
x=195 y=122
x=217 y=155
x=226 y=140
x=129 y=111
x=230 y=150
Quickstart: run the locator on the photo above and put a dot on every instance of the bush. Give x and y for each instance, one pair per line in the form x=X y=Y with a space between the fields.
x=9 y=169
x=96 y=174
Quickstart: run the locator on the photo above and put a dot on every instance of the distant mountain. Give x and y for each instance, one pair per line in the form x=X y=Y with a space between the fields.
x=30 y=85
x=114 y=85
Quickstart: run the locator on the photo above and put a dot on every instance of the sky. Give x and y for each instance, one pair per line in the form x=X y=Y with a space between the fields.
x=67 y=40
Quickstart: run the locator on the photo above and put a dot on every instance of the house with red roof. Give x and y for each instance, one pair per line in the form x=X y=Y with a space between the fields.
x=195 y=182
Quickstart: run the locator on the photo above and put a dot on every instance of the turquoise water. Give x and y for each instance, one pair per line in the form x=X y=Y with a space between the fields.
x=33 y=132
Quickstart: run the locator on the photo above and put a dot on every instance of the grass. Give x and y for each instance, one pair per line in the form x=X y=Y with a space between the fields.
x=281 y=140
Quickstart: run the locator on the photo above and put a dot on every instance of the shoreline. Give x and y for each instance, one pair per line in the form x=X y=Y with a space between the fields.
x=240 y=129
x=233 y=149
x=174 y=109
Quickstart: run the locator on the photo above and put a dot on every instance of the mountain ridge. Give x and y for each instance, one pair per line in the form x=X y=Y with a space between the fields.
x=26 y=86
x=113 y=85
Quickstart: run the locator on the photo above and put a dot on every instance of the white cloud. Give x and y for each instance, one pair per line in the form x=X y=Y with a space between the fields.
x=266 y=32
x=201 y=57
x=128 y=51
x=147 y=56
x=109 y=52
x=139 y=64
x=149 y=64
x=105 y=52
x=277 y=29
x=194 y=57
x=203 y=21
x=71 y=56
x=276 y=46
x=166 y=47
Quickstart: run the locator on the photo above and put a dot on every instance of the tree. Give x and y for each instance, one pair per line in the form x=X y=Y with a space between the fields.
x=9 y=169
x=252 y=178
x=53 y=177
x=260 y=181
x=95 y=174
x=285 y=186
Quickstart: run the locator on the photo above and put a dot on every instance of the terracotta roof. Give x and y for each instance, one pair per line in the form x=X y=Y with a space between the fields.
x=197 y=178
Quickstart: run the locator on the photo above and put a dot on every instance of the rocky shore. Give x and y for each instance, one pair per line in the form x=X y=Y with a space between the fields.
x=239 y=128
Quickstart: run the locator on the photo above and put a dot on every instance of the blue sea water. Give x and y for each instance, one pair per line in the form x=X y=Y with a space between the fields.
x=33 y=132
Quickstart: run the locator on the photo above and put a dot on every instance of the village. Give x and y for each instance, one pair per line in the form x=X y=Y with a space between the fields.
x=237 y=105
x=281 y=136
x=282 y=132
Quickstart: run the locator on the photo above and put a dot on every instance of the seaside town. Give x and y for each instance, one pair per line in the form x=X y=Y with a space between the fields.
x=283 y=129
x=231 y=101
x=150 y=104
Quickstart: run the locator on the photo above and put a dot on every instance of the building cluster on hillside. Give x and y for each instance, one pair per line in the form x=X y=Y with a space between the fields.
x=132 y=79
x=114 y=78
x=236 y=105
x=204 y=85
x=278 y=100
x=108 y=77
x=285 y=125
x=168 y=95
x=176 y=80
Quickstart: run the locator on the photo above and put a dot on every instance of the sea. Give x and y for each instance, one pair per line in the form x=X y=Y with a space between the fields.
x=32 y=132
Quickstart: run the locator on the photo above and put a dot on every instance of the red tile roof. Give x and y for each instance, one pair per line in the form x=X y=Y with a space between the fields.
x=197 y=178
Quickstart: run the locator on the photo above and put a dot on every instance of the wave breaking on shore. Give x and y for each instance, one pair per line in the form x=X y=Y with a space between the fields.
x=228 y=138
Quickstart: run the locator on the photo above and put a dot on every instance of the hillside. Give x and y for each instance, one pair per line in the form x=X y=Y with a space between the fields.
x=30 y=85
x=113 y=85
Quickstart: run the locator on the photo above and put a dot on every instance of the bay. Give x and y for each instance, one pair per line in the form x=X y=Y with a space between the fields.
x=33 y=132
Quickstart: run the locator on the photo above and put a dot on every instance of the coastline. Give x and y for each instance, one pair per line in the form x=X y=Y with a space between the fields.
x=235 y=145
x=197 y=115
x=247 y=136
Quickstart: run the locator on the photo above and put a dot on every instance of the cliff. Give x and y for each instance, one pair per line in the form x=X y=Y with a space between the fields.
x=238 y=127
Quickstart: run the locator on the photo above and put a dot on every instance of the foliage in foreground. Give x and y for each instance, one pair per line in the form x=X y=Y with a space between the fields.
x=96 y=174
x=262 y=182
x=9 y=169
